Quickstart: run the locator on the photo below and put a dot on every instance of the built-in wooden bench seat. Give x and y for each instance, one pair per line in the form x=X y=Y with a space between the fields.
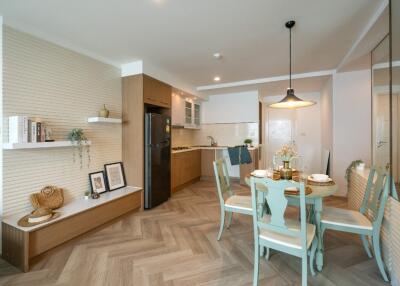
x=20 y=244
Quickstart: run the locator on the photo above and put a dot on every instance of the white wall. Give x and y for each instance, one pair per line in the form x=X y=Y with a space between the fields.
x=327 y=118
x=63 y=88
x=230 y=118
x=304 y=129
x=231 y=108
x=308 y=133
x=351 y=122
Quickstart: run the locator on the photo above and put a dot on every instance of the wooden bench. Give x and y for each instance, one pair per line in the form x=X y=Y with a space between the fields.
x=20 y=244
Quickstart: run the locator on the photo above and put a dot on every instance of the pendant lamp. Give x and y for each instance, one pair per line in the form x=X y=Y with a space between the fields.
x=291 y=101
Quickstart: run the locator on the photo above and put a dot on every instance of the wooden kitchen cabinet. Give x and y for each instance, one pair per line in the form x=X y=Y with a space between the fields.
x=156 y=92
x=207 y=159
x=178 y=110
x=246 y=169
x=185 y=169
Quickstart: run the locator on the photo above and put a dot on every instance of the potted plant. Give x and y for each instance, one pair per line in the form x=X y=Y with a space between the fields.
x=352 y=165
x=248 y=142
x=78 y=139
x=286 y=153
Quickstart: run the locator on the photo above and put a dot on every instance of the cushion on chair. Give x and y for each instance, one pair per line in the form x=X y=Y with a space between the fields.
x=286 y=240
x=345 y=218
x=239 y=202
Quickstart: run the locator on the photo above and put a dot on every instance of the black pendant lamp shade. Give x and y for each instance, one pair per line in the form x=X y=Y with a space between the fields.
x=291 y=101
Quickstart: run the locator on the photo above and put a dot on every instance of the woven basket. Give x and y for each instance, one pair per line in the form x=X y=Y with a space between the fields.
x=50 y=197
x=322 y=184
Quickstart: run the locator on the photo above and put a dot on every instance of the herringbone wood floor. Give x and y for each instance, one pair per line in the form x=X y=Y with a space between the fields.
x=175 y=244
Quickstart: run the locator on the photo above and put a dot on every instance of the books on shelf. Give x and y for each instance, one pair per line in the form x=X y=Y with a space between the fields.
x=21 y=129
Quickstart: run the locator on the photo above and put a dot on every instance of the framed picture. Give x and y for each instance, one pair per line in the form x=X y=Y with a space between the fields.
x=97 y=182
x=115 y=175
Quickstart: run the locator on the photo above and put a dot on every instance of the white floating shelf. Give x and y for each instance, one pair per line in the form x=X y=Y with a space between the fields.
x=104 y=120
x=55 y=144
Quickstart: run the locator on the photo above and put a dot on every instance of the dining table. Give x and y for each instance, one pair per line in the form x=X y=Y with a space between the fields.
x=315 y=200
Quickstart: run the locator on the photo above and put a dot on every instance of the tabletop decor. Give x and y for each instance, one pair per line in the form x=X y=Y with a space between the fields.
x=50 y=197
x=248 y=142
x=286 y=153
x=115 y=175
x=38 y=216
x=97 y=182
x=315 y=183
x=352 y=165
x=104 y=112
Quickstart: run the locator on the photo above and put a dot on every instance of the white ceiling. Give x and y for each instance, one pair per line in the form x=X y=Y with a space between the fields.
x=181 y=36
x=360 y=57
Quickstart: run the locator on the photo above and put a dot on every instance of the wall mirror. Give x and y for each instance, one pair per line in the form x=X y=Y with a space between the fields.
x=395 y=99
x=381 y=144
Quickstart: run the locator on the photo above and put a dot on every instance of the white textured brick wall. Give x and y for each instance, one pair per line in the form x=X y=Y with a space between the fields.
x=62 y=88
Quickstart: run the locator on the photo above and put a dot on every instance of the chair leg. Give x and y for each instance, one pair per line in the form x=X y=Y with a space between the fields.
x=256 y=262
x=222 y=224
x=312 y=255
x=366 y=245
x=262 y=251
x=378 y=257
x=230 y=215
x=267 y=254
x=304 y=270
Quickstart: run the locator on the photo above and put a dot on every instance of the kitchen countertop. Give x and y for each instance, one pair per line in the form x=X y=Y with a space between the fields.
x=192 y=148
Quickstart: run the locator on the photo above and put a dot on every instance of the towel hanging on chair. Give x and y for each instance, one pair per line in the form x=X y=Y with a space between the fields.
x=239 y=155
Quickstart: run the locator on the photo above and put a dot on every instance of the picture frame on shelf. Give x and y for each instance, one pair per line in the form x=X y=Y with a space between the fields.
x=115 y=175
x=97 y=182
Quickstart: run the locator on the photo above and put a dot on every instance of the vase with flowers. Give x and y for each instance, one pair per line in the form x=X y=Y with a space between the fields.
x=286 y=153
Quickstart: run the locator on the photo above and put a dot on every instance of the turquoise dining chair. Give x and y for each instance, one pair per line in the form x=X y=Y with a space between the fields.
x=275 y=231
x=367 y=221
x=229 y=202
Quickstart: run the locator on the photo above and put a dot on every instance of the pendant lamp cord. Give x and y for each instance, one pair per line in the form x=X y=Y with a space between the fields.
x=290 y=58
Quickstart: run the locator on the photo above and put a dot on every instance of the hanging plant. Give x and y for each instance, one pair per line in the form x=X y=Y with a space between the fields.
x=79 y=140
x=350 y=167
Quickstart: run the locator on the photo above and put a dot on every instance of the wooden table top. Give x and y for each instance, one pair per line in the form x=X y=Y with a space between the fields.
x=317 y=191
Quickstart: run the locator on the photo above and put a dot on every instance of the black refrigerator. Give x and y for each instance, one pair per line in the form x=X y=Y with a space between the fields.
x=157 y=184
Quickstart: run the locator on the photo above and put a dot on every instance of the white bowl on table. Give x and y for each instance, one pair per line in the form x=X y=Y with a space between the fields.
x=320 y=178
x=259 y=173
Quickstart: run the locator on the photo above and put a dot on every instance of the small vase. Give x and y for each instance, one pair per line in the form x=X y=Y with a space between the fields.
x=286 y=171
x=104 y=112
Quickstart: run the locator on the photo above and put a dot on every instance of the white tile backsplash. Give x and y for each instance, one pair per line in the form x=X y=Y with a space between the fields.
x=227 y=134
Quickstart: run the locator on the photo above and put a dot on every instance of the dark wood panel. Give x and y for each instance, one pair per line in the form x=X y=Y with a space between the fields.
x=156 y=92
x=186 y=167
x=15 y=247
x=133 y=130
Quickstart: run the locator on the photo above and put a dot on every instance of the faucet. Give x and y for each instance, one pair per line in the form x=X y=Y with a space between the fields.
x=213 y=142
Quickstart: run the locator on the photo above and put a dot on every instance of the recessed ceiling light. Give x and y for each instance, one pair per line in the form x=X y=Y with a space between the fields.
x=218 y=56
x=217 y=78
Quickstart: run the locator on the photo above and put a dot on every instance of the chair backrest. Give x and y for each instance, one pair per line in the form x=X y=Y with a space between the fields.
x=376 y=194
x=274 y=193
x=222 y=179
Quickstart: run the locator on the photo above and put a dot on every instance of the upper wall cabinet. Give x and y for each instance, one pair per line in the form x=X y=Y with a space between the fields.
x=156 y=92
x=185 y=113
x=178 y=110
x=192 y=114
